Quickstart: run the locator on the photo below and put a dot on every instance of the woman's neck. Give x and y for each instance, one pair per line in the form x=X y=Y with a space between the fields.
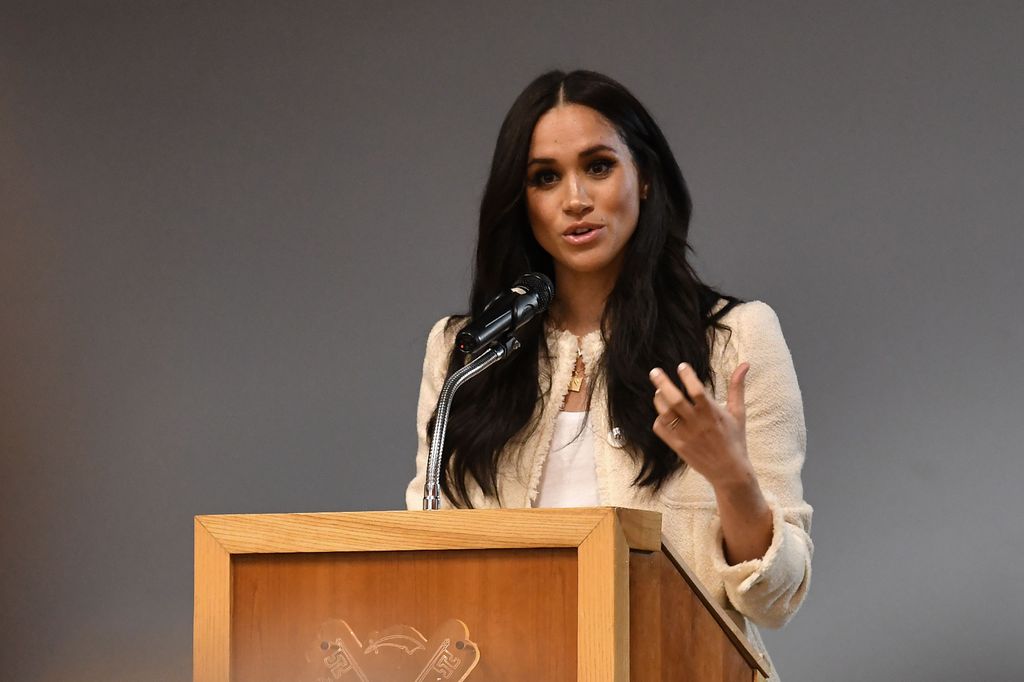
x=580 y=299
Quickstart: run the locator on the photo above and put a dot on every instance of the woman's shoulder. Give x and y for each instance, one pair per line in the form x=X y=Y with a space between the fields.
x=749 y=331
x=749 y=316
x=437 y=330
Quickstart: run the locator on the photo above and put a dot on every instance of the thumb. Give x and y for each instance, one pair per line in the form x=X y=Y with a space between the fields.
x=737 y=389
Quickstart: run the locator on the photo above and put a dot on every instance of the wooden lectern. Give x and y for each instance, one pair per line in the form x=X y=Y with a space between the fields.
x=512 y=595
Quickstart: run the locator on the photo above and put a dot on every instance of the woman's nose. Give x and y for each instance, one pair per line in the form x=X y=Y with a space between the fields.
x=577 y=200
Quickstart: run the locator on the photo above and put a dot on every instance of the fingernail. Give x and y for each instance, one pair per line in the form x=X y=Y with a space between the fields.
x=682 y=366
x=655 y=372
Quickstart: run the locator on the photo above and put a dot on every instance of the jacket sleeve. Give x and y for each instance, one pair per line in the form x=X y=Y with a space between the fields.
x=770 y=589
x=435 y=366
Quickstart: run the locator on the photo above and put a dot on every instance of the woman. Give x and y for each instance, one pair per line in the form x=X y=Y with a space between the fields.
x=595 y=408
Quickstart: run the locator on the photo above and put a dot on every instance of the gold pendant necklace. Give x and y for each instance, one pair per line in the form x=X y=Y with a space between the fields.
x=576 y=382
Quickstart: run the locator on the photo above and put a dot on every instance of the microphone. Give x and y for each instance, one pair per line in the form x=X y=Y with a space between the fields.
x=507 y=312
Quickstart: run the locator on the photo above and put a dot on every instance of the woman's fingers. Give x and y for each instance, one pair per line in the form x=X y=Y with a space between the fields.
x=694 y=387
x=666 y=414
x=702 y=432
x=672 y=396
x=736 y=402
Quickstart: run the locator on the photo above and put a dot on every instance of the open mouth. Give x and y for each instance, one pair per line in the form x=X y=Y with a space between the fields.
x=582 y=234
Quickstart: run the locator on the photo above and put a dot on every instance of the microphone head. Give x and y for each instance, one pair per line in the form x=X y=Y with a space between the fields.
x=538 y=283
x=506 y=313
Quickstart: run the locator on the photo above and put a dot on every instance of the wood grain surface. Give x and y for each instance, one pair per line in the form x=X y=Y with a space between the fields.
x=211 y=608
x=420 y=530
x=547 y=594
x=673 y=637
x=603 y=637
x=519 y=605
x=737 y=636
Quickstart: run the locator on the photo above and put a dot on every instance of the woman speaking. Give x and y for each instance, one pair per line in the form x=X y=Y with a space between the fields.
x=641 y=386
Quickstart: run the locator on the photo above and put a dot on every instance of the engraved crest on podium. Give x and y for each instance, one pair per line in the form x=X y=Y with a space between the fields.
x=397 y=654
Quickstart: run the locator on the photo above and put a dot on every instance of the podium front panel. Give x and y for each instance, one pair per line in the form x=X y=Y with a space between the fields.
x=350 y=615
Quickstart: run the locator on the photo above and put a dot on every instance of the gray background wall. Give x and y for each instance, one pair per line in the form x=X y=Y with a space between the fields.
x=223 y=230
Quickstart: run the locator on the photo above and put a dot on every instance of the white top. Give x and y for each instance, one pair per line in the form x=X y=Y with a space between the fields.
x=569 y=478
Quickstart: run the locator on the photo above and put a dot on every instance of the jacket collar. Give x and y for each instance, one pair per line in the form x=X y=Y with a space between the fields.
x=563 y=343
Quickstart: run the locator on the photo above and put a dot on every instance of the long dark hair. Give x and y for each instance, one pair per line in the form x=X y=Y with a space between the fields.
x=658 y=314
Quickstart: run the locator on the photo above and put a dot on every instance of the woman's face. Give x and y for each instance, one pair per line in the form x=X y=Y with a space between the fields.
x=582 y=191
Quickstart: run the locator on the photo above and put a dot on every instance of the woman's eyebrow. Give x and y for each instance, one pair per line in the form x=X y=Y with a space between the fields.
x=595 y=149
x=586 y=152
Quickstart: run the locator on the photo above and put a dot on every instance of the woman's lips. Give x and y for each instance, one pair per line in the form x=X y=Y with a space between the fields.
x=594 y=231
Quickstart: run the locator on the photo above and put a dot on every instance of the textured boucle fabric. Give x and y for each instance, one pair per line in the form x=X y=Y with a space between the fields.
x=765 y=591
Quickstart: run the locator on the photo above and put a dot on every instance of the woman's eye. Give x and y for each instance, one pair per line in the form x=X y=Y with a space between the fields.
x=544 y=178
x=602 y=167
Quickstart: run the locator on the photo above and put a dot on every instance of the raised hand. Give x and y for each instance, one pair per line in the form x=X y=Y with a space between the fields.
x=706 y=436
x=713 y=441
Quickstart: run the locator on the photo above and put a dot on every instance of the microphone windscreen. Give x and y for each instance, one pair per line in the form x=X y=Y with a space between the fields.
x=539 y=283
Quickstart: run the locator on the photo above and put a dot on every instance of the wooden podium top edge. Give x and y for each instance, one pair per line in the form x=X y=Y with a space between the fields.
x=424 y=530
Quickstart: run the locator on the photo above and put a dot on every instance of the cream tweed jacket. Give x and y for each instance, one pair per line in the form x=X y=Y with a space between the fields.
x=765 y=591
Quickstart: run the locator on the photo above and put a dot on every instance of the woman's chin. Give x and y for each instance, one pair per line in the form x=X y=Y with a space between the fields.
x=588 y=264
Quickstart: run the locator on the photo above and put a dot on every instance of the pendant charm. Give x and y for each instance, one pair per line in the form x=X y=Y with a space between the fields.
x=576 y=382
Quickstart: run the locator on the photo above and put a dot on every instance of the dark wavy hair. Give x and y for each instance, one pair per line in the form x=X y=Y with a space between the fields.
x=658 y=314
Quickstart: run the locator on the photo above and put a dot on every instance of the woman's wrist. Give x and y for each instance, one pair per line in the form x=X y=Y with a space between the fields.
x=740 y=483
x=742 y=500
x=746 y=517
